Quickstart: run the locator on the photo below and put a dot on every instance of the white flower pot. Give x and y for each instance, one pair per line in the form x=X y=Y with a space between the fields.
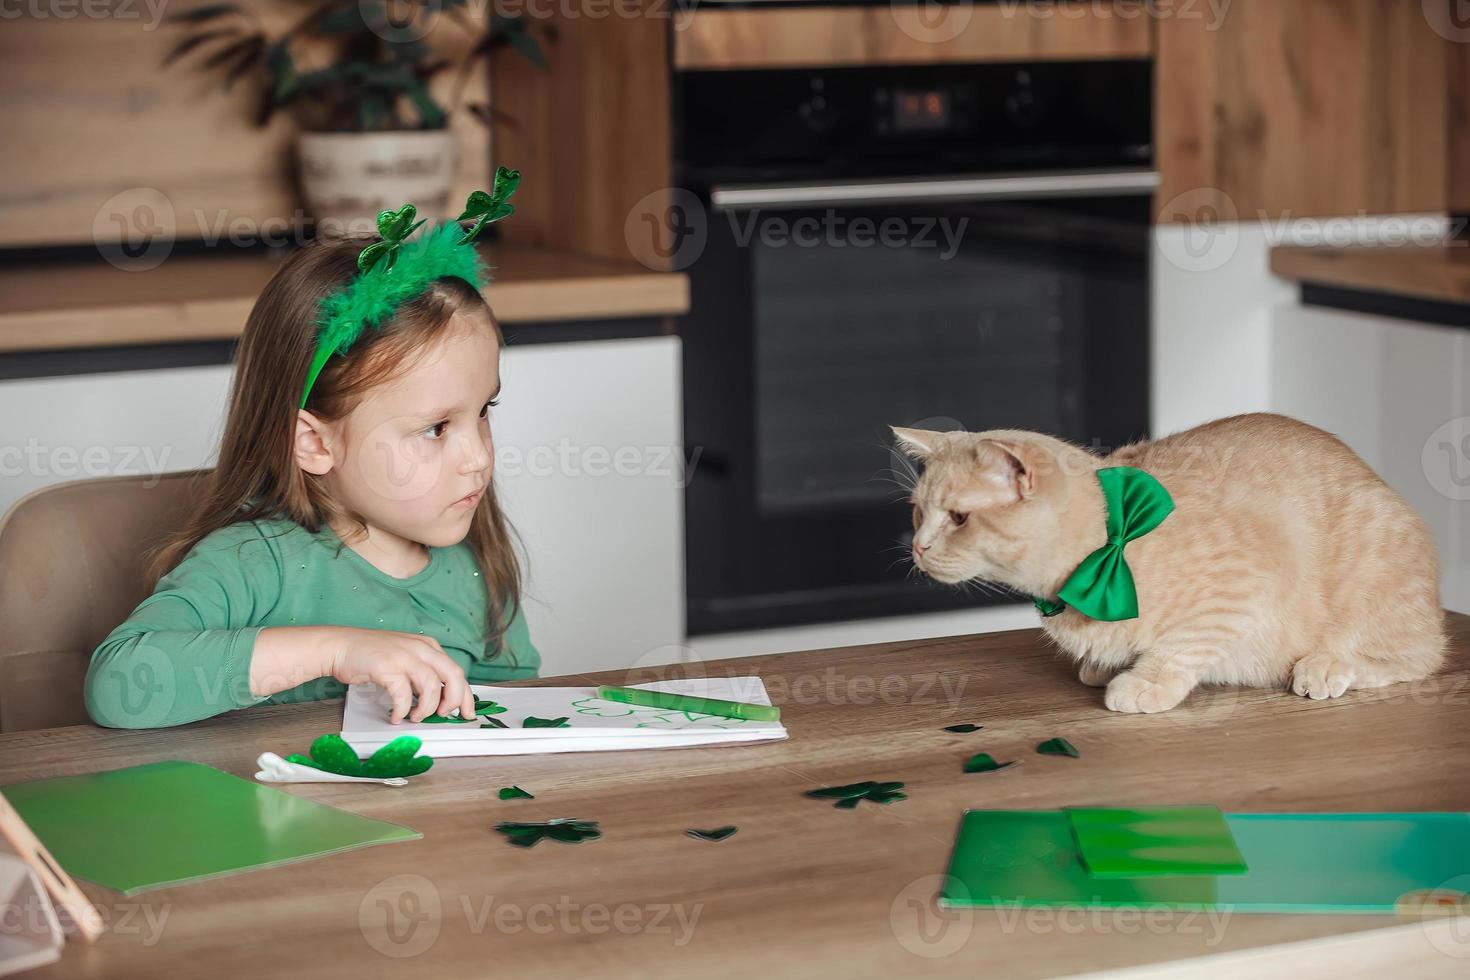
x=347 y=178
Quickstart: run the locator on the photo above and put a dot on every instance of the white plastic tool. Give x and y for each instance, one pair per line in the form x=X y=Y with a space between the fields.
x=274 y=769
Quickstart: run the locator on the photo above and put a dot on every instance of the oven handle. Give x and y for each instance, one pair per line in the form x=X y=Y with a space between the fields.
x=988 y=187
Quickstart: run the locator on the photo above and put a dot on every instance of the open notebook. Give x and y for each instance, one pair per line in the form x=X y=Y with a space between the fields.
x=592 y=724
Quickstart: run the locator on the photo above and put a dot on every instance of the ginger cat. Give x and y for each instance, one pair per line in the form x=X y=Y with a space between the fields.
x=1286 y=556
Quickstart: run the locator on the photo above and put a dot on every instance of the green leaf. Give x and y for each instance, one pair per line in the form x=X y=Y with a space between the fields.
x=563 y=829
x=514 y=793
x=964 y=728
x=534 y=722
x=398 y=758
x=718 y=834
x=1058 y=746
x=330 y=754
x=850 y=795
x=493 y=723
x=982 y=762
x=489 y=708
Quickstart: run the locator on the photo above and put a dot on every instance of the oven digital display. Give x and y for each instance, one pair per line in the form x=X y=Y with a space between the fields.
x=922 y=110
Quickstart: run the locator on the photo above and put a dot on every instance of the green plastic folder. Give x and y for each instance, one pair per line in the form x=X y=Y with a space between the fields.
x=1301 y=862
x=1159 y=840
x=167 y=823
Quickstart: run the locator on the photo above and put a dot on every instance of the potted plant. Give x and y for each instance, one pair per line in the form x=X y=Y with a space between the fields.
x=356 y=75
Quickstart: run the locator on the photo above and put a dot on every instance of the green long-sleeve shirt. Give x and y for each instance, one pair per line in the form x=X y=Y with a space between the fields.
x=184 y=652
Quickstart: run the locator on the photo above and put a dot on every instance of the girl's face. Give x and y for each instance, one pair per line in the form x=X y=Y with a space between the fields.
x=415 y=456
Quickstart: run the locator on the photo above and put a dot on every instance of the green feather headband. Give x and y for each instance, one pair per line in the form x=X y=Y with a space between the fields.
x=395 y=270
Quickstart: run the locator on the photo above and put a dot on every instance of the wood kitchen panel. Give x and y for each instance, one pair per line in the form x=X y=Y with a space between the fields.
x=884 y=34
x=591 y=131
x=102 y=143
x=1313 y=107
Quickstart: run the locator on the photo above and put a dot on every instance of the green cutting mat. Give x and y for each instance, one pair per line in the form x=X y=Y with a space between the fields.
x=1157 y=840
x=1305 y=862
x=166 y=823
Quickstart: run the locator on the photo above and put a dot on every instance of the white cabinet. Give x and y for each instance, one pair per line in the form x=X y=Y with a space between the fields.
x=588 y=465
x=1398 y=393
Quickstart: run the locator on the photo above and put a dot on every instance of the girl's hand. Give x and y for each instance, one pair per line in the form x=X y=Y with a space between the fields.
x=404 y=665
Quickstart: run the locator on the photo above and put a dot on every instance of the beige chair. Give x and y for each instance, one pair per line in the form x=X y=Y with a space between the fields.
x=71 y=570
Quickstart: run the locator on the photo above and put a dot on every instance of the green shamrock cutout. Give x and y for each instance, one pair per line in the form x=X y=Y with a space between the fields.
x=849 y=796
x=394 y=227
x=397 y=759
x=982 y=762
x=963 y=729
x=485 y=708
x=484 y=209
x=1058 y=746
x=564 y=829
x=718 y=834
x=514 y=793
x=534 y=722
x=493 y=723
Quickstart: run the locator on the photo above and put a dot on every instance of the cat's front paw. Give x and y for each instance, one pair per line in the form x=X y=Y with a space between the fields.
x=1133 y=694
x=1320 y=675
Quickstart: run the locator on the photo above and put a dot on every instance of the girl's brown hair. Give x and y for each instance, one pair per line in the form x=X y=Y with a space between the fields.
x=256 y=476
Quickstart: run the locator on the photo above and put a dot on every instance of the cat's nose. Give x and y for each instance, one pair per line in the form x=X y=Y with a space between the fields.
x=919 y=548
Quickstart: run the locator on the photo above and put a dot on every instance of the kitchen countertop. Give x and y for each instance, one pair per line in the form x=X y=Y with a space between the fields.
x=188 y=298
x=1437 y=273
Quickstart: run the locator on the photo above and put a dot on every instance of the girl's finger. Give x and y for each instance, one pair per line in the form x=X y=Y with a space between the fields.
x=398 y=689
x=429 y=687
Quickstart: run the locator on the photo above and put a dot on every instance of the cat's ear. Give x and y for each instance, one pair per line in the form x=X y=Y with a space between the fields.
x=918 y=443
x=1017 y=467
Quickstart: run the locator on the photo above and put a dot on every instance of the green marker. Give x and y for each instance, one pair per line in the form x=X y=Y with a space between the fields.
x=693 y=705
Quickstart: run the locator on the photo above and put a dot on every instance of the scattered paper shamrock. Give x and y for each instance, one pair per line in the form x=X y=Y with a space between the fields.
x=1058 y=746
x=982 y=762
x=964 y=728
x=718 y=834
x=564 y=829
x=483 y=208
x=330 y=753
x=849 y=796
x=514 y=793
x=482 y=709
x=534 y=722
x=394 y=227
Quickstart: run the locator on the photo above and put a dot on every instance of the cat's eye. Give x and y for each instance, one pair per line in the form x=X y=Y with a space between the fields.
x=958 y=518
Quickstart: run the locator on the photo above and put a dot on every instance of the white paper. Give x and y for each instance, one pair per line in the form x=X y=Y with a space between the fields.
x=595 y=724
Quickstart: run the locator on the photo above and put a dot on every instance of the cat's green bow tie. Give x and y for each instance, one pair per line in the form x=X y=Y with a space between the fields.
x=1101 y=587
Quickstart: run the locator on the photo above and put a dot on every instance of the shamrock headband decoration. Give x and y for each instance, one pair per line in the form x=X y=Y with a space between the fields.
x=395 y=270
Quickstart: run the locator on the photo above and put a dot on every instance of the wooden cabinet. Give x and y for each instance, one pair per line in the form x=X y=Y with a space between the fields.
x=1306 y=107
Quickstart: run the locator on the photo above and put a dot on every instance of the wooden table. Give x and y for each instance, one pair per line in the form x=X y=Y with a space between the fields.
x=802 y=888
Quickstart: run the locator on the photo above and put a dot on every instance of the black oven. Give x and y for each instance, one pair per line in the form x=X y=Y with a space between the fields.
x=956 y=246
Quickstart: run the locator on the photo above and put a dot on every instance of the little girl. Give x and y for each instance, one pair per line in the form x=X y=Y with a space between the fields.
x=349 y=532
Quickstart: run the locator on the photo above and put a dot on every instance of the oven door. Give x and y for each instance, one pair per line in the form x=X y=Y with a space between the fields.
x=823 y=314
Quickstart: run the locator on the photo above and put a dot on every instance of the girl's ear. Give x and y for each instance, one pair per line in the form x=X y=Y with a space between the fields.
x=309 y=444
